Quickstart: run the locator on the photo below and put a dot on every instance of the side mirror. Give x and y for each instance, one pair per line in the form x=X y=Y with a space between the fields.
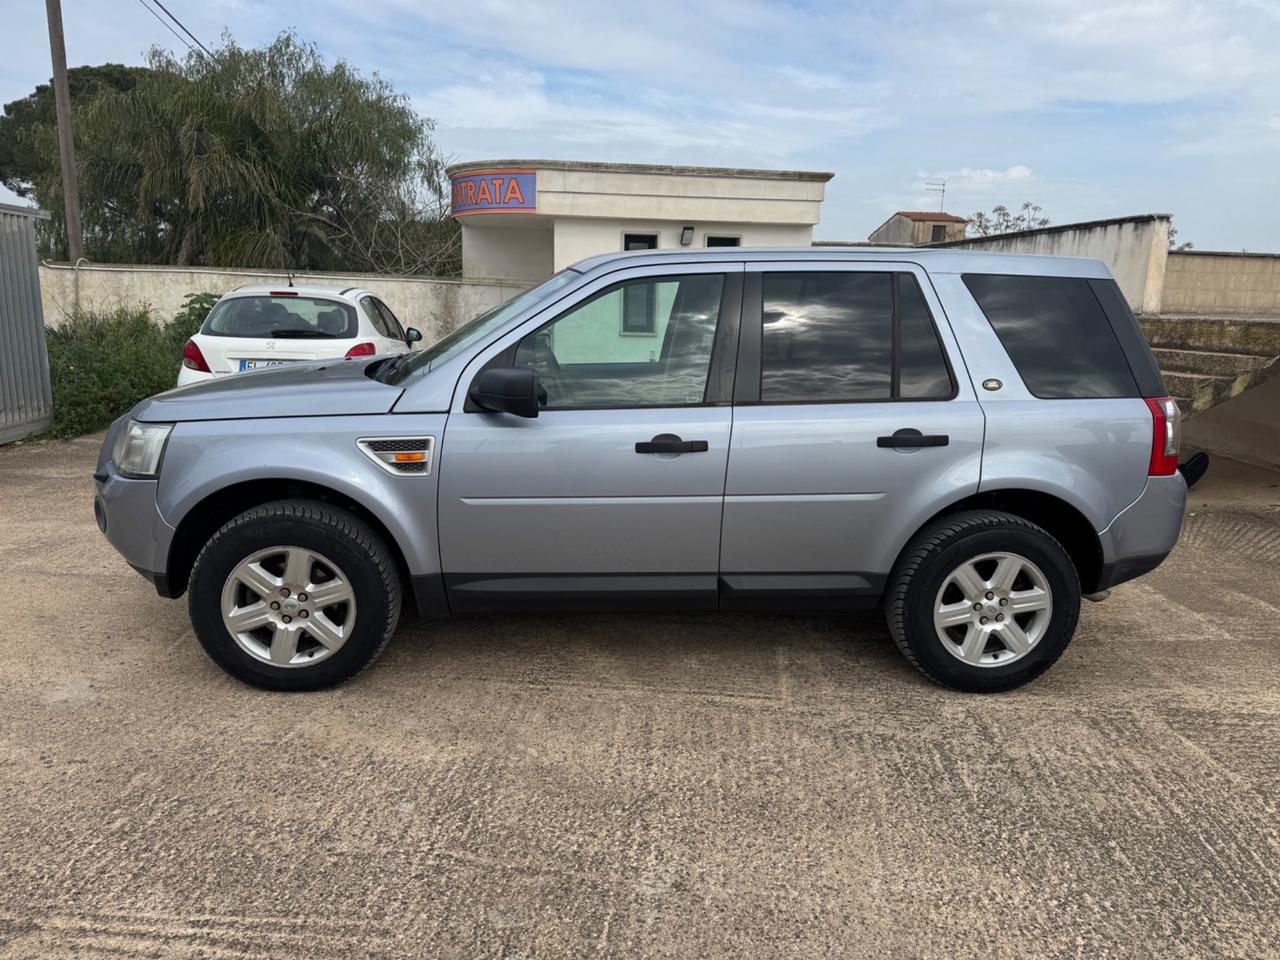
x=506 y=390
x=412 y=335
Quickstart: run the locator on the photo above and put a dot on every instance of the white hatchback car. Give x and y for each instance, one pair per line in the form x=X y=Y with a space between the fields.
x=260 y=326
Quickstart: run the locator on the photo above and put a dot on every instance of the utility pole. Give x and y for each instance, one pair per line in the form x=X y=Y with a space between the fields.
x=66 y=149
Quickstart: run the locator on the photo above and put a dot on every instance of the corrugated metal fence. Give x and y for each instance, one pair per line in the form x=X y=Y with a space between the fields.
x=26 y=402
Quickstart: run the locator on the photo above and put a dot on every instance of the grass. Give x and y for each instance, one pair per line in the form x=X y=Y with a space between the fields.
x=102 y=363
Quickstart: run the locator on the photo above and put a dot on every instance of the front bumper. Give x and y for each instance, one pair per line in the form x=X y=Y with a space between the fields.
x=128 y=516
x=1139 y=539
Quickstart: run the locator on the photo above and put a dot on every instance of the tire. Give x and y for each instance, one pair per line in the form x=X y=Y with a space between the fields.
x=341 y=554
x=927 y=574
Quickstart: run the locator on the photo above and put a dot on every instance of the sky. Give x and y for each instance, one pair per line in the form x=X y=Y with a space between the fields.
x=1089 y=108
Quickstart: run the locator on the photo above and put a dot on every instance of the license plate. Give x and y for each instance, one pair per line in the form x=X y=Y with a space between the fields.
x=259 y=364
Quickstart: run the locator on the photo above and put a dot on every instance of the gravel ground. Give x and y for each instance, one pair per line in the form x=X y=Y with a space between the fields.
x=664 y=787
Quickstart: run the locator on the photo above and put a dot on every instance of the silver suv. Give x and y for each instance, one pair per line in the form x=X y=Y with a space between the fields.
x=971 y=441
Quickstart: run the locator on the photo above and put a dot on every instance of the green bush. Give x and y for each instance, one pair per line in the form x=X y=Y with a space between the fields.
x=191 y=315
x=101 y=364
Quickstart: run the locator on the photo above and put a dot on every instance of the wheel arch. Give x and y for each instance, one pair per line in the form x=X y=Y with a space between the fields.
x=206 y=516
x=1059 y=518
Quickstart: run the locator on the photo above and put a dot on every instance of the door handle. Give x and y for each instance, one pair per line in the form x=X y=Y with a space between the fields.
x=670 y=443
x=909 y=437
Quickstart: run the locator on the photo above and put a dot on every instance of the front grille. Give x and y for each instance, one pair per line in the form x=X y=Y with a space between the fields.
x=398 y=446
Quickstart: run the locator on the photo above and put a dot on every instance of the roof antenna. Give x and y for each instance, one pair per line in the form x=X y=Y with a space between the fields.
x=290 y=272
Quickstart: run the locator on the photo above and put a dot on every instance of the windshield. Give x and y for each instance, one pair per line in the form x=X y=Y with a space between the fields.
x=471 y=333
x=281 y=316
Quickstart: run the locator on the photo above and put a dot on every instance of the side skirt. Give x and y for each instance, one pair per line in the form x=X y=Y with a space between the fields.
x=802 y=593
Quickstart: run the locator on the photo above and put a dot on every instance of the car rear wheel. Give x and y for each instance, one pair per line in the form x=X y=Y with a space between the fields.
x=294 y=595
x=983 y=601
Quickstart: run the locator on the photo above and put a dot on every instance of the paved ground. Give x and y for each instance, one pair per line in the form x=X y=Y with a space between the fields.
x=674 y=787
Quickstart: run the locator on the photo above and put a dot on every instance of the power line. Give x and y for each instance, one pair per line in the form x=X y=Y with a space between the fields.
x=166 y=25
x=184 y=29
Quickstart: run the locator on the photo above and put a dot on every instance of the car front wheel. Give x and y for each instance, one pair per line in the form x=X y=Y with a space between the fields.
x=983 y=601
x=294 y=595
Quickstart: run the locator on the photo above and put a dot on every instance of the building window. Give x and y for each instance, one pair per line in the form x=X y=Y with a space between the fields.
x=639 y=308
x=723 y=241
x=939 y=233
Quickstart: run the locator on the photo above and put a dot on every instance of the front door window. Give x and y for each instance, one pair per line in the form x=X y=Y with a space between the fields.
x=592 y=356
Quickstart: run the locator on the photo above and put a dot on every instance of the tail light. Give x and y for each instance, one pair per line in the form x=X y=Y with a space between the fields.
x=193 y=359
x=362 y=350
x=1166 y=434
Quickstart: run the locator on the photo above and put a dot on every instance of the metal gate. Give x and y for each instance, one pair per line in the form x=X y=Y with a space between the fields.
x=26 y=401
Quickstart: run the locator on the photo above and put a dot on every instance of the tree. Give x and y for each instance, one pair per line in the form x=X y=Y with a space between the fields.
x=260 y=157
x=21 y=161
x=1000 y=220
x=1174 y=245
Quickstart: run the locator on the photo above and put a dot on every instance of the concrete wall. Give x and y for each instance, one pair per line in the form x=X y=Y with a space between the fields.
x=577 y=238
x=1222 y=283
x=1245 y=428
x=511 y=253
x=1135 y=248
x=434 y=306
x=905 y=230
x=894 y=230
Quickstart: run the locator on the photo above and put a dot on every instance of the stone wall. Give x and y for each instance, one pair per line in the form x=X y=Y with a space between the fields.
x=435 y=306
x=1205 y=282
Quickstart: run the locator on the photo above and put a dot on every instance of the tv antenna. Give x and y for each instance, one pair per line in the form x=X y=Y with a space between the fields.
x=939 y=187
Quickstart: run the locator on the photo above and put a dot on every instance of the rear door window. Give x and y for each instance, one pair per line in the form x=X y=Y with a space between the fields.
x=1056 y=334
x=849 y=336
x=826 y=337
x=270 y=318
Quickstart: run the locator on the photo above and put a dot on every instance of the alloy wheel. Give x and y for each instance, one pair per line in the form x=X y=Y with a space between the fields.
x=993 y=609
x=288 y=606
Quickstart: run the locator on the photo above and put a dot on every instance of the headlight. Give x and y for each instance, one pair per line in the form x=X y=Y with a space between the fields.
x=139 y=448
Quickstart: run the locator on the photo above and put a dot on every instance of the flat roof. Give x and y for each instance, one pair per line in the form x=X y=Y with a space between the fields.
x=476 y=166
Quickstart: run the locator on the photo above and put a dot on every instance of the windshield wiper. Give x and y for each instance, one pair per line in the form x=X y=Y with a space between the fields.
x=389 y=369
x=293 y=333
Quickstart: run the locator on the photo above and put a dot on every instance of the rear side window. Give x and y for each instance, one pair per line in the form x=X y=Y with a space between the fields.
x=832 y=337
x=1057 y=335
x=272 y=318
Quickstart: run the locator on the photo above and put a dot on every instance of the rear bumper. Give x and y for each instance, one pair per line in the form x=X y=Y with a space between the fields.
x=1139 y=539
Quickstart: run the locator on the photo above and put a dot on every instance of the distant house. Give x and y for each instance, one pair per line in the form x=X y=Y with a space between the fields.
x=918 y=227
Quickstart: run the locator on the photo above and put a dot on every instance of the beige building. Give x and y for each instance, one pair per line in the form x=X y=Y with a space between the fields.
x=917 y=227
x=522 y=220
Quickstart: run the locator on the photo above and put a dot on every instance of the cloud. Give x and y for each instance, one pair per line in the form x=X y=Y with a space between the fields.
x=968 y=176
x=1088 y=107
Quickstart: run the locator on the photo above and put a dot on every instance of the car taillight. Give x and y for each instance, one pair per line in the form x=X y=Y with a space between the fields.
x=193 y=359
x=362 y=350
x=1166 y=434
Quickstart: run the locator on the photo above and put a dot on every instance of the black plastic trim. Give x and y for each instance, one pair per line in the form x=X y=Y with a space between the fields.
x=1128 y=568
x=161 y=582
x=746 y=386
x=1194 y=468
x=724 y=347
x=800 y=592
x=581 y=593
x=430 y=597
